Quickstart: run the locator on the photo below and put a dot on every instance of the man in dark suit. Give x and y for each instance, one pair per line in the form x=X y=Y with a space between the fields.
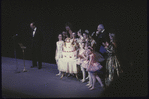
x=99 y=37
x=37 y=39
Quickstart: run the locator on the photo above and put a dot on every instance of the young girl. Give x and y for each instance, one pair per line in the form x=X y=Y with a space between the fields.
x=93 y=42
x=82 y=59
x=74 y=40
x=93 y=68
x=58 y=54
x=80 y=37
x=85 y=37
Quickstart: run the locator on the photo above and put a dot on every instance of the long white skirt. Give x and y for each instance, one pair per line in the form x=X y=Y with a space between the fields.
x=68 y=65
x=57 y=58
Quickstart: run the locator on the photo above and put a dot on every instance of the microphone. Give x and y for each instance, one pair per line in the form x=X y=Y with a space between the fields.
x=15 y=35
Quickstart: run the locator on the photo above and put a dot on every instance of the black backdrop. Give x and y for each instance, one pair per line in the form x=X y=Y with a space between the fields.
x=126 y=18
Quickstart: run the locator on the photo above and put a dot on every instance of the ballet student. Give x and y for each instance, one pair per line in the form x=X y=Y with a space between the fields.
x=58 y=53
x=93 y=68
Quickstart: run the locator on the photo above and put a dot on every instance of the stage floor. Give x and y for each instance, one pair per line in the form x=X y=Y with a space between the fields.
x=41 y=83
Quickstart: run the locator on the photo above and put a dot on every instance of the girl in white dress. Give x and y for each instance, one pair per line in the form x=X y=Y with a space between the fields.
x=58 y=53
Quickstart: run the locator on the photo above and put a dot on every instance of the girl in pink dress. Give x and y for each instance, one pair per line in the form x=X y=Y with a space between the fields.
x=83 y=61
x=93 y=68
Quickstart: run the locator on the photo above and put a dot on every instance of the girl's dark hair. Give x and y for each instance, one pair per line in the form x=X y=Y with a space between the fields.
x=86 y=33
x=84 y=44
x=83 y=41
x=60 y=34
x=88 y=43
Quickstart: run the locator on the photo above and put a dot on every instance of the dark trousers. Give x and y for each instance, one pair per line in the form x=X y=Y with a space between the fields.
x=102 y=73
x=36 y=56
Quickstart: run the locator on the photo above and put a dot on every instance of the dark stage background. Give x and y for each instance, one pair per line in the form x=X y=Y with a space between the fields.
x=128 y=19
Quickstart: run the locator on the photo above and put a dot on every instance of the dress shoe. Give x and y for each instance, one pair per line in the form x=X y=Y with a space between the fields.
x=83 y=80
x=92 y=88
x=33 y=66
x=62 y=76
x=39 y=67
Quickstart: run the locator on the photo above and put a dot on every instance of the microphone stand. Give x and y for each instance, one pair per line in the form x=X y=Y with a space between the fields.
x=23 y=48
x=16 y=71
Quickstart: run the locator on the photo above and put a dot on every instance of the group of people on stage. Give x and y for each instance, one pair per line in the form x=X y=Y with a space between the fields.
x=90 y=53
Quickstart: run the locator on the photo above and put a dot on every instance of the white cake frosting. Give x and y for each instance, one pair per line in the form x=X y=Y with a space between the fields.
x=69 y=51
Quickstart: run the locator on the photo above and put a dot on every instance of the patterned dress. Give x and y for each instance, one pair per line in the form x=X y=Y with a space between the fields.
x=112 y=64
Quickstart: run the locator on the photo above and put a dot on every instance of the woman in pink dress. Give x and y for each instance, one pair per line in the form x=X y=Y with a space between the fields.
x=93 y=68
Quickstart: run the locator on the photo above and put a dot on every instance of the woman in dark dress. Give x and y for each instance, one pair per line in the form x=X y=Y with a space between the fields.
x=112 y=63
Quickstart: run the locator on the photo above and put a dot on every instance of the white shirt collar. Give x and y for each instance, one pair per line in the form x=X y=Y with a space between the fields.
x=102 y=30
x=35 y=28
x=34 y=31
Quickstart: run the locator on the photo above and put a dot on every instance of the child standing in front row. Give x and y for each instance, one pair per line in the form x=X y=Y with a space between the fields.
x=93 y=68
x=58 y=53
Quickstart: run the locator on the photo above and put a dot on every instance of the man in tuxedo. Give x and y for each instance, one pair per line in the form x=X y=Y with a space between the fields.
x=99 y=37
x=37 y=39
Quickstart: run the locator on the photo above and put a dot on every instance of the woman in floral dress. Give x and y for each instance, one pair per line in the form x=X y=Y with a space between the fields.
x=112 y=63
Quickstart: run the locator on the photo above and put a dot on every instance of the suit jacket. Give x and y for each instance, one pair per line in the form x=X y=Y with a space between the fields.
x=37 y=39
x=99 y=39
